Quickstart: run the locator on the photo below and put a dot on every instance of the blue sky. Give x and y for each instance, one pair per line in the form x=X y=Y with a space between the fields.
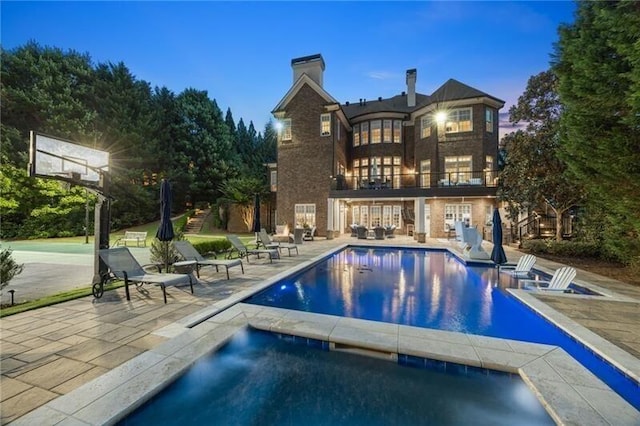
x=240 y=52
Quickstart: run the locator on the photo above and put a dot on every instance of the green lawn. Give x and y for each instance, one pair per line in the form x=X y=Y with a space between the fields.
x=77 y=245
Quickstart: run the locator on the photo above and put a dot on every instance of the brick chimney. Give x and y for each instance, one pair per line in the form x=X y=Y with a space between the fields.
x=312 y=65
x=412 y=74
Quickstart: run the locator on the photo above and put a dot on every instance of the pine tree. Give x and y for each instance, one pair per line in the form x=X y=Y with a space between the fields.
x=597 y=60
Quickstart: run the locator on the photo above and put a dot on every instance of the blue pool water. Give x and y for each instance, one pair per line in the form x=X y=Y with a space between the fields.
x=429 y=289
x=260 y=379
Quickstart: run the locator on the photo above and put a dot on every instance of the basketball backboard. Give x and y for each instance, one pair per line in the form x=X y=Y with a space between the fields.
x=56 y=158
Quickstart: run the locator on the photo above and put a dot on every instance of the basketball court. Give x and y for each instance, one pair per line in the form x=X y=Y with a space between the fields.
x=51 y=268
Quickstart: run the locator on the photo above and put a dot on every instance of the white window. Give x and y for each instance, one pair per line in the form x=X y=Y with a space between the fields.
x=325 y=124
x=425 y=125
x=305 y=215
x=488 y=214
x=386 y=134
x=376 y=136
x=274 y=180
x=396 y=216
x=386 y=216
x=488 y=118
x=355 y=214
x=397 y=131
x=459 y=120
x=286 y=129
x=364 y=133
x=457 y=169
x=364 y=171
x=376 y=167
x=489 y=171
x=376 y=216
x=425 y=173
x=456 y=213
x=364 y=216
x=396 y=172
x=356 y=135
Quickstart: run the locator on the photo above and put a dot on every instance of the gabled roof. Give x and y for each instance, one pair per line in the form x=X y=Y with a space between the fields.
x=304 y=79
x=454 y=90
x=395 y=104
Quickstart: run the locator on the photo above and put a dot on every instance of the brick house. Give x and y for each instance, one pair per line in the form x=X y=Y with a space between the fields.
x=420 y=162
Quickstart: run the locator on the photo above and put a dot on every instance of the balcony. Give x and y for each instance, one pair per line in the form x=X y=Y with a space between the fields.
x=456 y=184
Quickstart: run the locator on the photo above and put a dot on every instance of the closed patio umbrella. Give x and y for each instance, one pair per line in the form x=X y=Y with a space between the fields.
x=256 y=217
x=497 y=254
x=165 y=230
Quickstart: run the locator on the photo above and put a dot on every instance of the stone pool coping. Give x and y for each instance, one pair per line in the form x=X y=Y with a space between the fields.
x=569 y=392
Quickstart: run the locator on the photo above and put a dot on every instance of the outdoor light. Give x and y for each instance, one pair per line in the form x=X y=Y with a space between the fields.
x=441 y=116
x=278 y=126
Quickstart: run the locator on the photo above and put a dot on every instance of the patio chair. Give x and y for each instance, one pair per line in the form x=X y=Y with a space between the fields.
x=388 y=231
x=362 y=232
x=269 y=244
x=354 y=230
x=244 y=251
x=522 y=268
x=309 y=233
x=378 y=231
x=559 y=281
x=188 y=252
x=125 y=267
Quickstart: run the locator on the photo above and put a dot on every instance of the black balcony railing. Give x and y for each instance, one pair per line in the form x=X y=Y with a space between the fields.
x=482 y=178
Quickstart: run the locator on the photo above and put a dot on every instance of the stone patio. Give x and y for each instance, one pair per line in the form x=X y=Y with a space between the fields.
x=51 y=351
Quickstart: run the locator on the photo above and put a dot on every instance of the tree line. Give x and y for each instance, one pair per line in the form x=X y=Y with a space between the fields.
x=150 y=133
x=581 y=146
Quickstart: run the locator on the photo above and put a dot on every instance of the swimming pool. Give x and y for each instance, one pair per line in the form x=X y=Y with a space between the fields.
x=430 y=289
x=266 y=379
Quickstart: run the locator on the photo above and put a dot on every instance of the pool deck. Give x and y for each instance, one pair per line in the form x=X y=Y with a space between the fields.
x=50 y=352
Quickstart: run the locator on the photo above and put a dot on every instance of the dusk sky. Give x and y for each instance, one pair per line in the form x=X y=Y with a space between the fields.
x=240 y=52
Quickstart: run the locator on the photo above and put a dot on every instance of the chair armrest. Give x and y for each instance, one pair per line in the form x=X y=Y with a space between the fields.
x=506 y=266
x=158 y=266
x=537 y=284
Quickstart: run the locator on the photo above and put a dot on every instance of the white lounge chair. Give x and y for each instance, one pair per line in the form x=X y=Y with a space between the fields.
x=559 y=282
x=188 y=252
x=522 y=268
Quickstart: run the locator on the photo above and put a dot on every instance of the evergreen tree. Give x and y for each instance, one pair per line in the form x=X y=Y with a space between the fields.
x=209 y=150
x=172 y=140
x=597 y=60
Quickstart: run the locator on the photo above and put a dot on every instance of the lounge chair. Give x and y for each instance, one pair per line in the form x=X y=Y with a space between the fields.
x=559 y=282
x=354 y=230
x=269 y=244
x=188 y=252
x=244 y=251
x=124 y=266
x=522 y=268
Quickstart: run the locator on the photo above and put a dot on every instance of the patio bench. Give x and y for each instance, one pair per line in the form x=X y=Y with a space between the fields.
x=133 y=237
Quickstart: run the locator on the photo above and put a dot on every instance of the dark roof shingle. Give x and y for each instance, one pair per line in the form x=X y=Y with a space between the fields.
x=451 y=90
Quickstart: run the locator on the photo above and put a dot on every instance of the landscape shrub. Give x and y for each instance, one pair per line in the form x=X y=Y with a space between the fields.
x=563 y=248
x=212 y=246
x=8 y=267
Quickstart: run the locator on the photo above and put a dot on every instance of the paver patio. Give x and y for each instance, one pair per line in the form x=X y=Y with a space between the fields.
x=51 y=351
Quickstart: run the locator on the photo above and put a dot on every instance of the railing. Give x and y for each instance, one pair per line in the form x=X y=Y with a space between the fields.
x=481 y=178
x=537 y=226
